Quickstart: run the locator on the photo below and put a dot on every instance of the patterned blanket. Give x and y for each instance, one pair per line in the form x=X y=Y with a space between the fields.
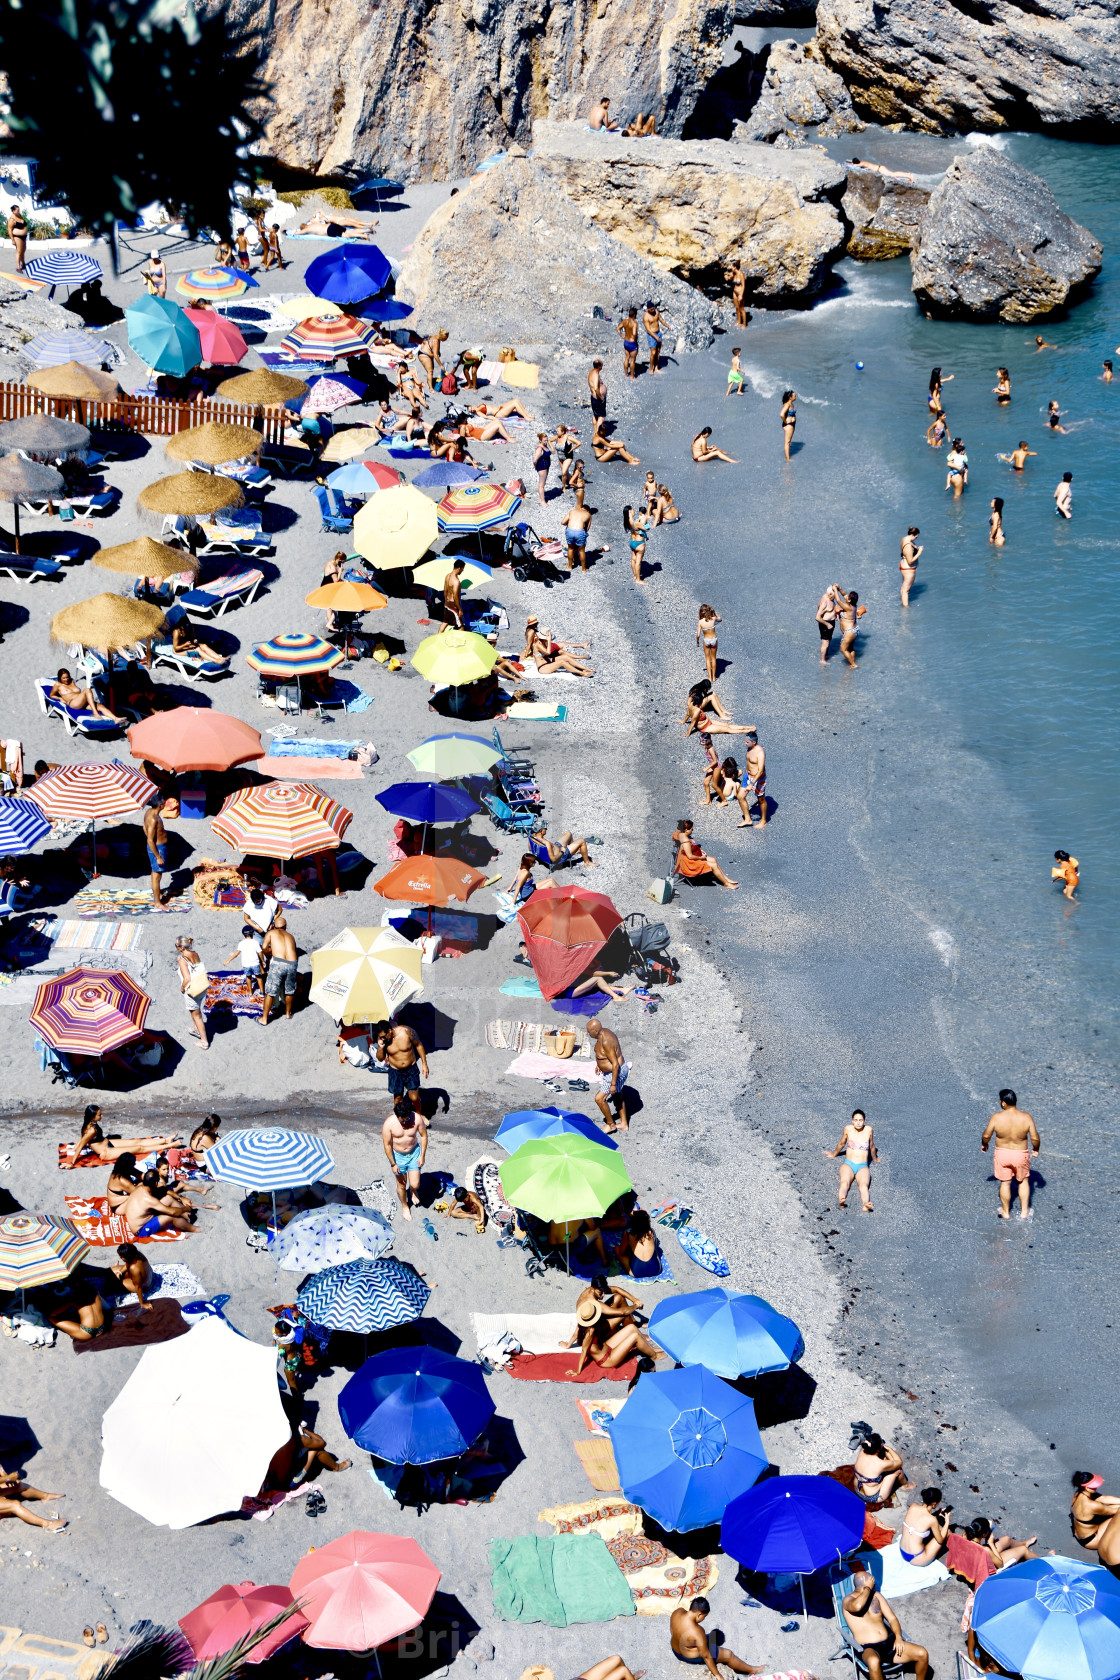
x=229 y=988
x=527 y=1035
x=94 y=901
x=103 y=1229
x=659 y=1581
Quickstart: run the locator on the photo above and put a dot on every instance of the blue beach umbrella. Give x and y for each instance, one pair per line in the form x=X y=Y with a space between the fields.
x=22 y=825
x=525 y=1125
x=364 y=1296
x=238 y=274
x=64 y=268
x=415 y=1405
x=734 y=1335
x=386 y=309
x=348 y=273
x=269 y=1158
x=442 y=474
x=427 y=802
x=162 y=336
x=792 y=1525
x=66 y=344
x=686 y=1445
x=1051 y=1618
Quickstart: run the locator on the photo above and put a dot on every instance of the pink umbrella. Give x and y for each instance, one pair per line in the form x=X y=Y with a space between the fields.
x=217 y=1624
x=326 y=395
x=364 y=1589
x=221 y=341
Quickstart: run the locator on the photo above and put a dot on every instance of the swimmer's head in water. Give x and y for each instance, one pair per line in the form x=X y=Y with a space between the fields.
x=1007 y=1098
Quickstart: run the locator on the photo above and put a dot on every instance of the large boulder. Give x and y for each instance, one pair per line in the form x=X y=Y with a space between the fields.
x=995 y=245
x=886 y=213
x=424 y=89
x=955 y=65
x=512 y=258
x=693 y=206
x=799 y=91
x=776 y=14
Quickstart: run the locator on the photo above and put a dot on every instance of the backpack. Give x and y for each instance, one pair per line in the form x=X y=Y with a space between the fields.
x=449 y=385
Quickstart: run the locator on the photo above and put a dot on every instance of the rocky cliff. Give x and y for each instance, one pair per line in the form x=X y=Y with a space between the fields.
x=957 y=65
x=428 y=88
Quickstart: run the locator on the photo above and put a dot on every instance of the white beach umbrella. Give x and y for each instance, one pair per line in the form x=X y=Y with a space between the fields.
x=211 y=1373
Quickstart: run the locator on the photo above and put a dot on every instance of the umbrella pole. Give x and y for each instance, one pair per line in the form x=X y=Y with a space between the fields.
x=804 y=1607
x=15 y=515
x=93 y=830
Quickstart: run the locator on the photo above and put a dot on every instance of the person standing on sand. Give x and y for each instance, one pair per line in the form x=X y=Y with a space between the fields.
x=755 y=777
x=1015 y=1135
x=628 y=332
x=654 y=323
x=576 y=527
x=706 y=634
x=399 y=1051
x=612 y=1070
x=17 y=233
x=404 y=1137
x=193 y=982
x=738 y=282
x=597 y=385
x=243 y=249
x=1063 y=497
x=850 y=615
x=857 y=1145
x=452 y=598
x=1066 y=869
x=690 y=1641
x=542 y=462
x=155 y=836
x=278 y=948
x=908 y=565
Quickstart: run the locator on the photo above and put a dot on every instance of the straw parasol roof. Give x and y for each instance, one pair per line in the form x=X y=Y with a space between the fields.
x=21 y=477
x=262 y=387
x=145 y=558
x=106 y=622
x=213 y=443
x=190 y=493
x=71 y=379
x=43 y=437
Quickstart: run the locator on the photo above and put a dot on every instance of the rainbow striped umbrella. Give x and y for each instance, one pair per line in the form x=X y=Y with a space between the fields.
x=89 y=1011
x=282 y=820
x=329 y=336
x=210 y=283
x=92 y=791
x=476 y=507
x=296 y=653
x=37 y=1248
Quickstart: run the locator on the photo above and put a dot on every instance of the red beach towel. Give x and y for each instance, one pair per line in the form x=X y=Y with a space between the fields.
x=103 y=1229
x=558 y=1367
x=967 y=1559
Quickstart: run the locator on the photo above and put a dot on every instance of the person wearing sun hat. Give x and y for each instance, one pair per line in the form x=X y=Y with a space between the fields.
x=1095 y=1518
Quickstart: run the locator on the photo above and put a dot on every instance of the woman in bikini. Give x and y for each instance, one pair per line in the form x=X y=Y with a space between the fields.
x=577 y=480
x=666 y=509
x=609 y=449
x=606 y=1347
x=93 y=1141
x=13 y=1492
x=693 y=861
x=549 y=656
x=935 y=384
x=703 y=698
x=1002 y=1549
x=995 y=522
x=706 y=633
x=123 y=1180
x=925 y=1529
x=1002 y=387
x=908 y=565
x=628 y=332
x=788 y=419
x=427 y=353
x=702 y=450
x=636 y=526
x=877 y=1471
x=1095 y=1518
x=857 y=1145
x=726 y=783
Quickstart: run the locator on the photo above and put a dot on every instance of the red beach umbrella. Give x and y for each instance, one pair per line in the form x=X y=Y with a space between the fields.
x=217 y=1624
x=565 y=928
x=363 y=1589
x=222 y=343
x=189 y=738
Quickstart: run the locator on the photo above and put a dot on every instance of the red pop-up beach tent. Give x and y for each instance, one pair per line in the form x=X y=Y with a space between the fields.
x=565 y=929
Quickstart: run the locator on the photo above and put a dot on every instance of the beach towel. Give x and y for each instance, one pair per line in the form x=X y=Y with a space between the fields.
x=133 y=1327
x=103 y=1229
x=535 y=1064
x=262 y=1506
x=565 y=1579
x=608 y=1518
x=894 y=1577
x=598 y=1415
x=233 y=989
x=658 y=1580
x=525 y=374
x=94 y=936
x=540 y=711
x=485 y=1180
x=297 y=746
x=491 y=373
x=560 y=1367
x=597 y=1458
x=179 y=1160
x=126 y=901
x=533 y=1332
x=173 y=1282
x=845 y=1474
x=965 y=1558
x=522 y=985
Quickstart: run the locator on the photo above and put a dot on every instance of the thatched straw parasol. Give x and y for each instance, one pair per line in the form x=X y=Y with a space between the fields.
x=213 y=443
x=21 y=478
x=190 y=493
x=43 y=437
x=71 y=379
x=146 y=558
x=106 y=622
x=262 y=388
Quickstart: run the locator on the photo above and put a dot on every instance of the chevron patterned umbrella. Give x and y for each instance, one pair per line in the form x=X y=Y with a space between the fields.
x=332 y=1236
x=270 y=1158
x=282 y=820
x=37 y=1248
x=363 y=1296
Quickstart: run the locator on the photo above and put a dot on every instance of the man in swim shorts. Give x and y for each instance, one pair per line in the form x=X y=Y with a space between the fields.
x=1015 y=1135
x=612 y=1070
x=690 y=1641
x=399 y=1050
x=755 y=777
x=156 y=837
x=874 y=1626
x=575 y=530
x=404 y=1137
x=654 y=326
x=827 y=608
x=597 y=385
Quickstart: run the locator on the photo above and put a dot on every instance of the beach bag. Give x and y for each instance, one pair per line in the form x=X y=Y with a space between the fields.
x=507 y=354
x=199 y=980
x=661 y=891
x=560 y=1043
x=449 y=385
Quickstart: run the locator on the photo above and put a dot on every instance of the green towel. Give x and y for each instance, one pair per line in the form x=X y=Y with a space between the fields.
x=560 y=1580
x=540 y=711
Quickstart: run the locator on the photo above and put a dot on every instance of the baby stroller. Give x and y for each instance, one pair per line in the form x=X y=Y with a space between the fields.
x=649 y=951
x=531 y=558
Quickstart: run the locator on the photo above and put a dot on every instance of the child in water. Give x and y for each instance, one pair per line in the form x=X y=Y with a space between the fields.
x=1066 y=869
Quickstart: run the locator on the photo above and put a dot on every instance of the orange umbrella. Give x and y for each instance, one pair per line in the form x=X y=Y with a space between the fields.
x=345 y=596
x=565 y=930
x=429 y=880
x=191 y=738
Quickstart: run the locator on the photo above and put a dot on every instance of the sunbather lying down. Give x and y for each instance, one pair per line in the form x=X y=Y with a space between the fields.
x=94 y=1142
x=603 y=981
x=182 y=641
x=13 y=1492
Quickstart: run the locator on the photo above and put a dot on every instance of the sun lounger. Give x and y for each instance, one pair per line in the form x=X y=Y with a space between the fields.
x=25 y=568
x=218 y=539
x=332 y=520
x=214 y=599
x=188 y=665
x=95 y=501
x=505 y=818
x=244 y=472
x=77 y=723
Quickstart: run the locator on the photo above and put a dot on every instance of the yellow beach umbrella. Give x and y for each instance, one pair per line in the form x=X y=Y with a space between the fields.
x=301 y=308
x=364 y=974
x=456 y=657
x=351 y=442
x=432 y=573
x=345 y=596
x=396 y=527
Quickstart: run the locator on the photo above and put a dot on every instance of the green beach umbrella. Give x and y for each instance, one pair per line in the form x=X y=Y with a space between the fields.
x=448 y=757
x=564 y=1178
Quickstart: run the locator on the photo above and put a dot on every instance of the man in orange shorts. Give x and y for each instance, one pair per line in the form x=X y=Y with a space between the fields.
x=1015 y=1135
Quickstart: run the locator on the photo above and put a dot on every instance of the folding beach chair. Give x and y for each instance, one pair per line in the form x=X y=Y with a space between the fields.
x=505 y=818
x=849 y=1646
x=77 y=723
x=332 y=521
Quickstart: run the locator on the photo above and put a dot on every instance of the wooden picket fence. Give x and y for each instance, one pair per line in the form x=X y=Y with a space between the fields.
x=154 y=416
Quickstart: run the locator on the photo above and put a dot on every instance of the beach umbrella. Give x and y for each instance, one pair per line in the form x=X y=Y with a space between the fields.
x=365 y=974
x=564 y=1178
x=427 y=802
x=331 y=1236
x=211 y=283
x=364 y=1296
x=262 y=388
x=455 y=657
x=347 y=596
x=363 y=1589
x=565 y=930
x=734 y=1335
x=64 y=268
x=792 y=1525
x=303 y=306
x=386 y=309
x=396 y=528
x=144 y=557
x=476 y=507
x=213 y=443
x=72 y=791
x=61 y=345
x=363 y=478
x=1051 y=1618
x=90 y=1011
x=221 y=340
x=38 y=1248
x=162 y=336
x=453 y=755
x=328 y=395
x=686 y=1444
x=281 y=820
x=235 y=1613
x=44 y=438
x=192 y=494
x=348 y=273
x=107 y=622
x=429 y=880
x=432 y=573
x=294 y=653
x=351 y=442
x=415 y=1405
x=210 y=1373
x=269 y=1158
x=76 y=380
x=527 y=1125
x=22 y=478
x=242 y=274
x=22 y=825
x=327 y=336
x=442 y=475
x=194 y=738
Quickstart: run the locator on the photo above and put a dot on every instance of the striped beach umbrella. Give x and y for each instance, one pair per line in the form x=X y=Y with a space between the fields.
x=476 y=507
x=66 y=344
x=210 y=283
x=303 y=306
x=363 y=478
x=432 y=573
x=365 y=974
x=363 y=1296
x=294 y=653
x=269 y=1158
x=92 y=791
x=22 y=825
x=332 y=1236
x=328 y=336
x=327 y=395
x=282 y=820
x=64 y=268
x=90 y=1011
x=37 y=1248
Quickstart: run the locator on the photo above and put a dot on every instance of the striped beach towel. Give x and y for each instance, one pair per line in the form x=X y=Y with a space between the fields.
x=94 y=936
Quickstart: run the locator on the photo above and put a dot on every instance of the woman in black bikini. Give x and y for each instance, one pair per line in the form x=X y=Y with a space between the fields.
x=878 y=1471
x=1002 y=387
x=788 y=419
x=935 y=383
x=1095 y=1518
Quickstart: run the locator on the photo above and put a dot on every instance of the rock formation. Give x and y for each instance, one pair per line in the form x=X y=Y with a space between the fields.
x=957 y=65
x=886 y=213
x=776 y=14
x=512 y=258
x=23 y=316
x=799 y=90
x=691 y=206
x=995 y=244
x=423 y=89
